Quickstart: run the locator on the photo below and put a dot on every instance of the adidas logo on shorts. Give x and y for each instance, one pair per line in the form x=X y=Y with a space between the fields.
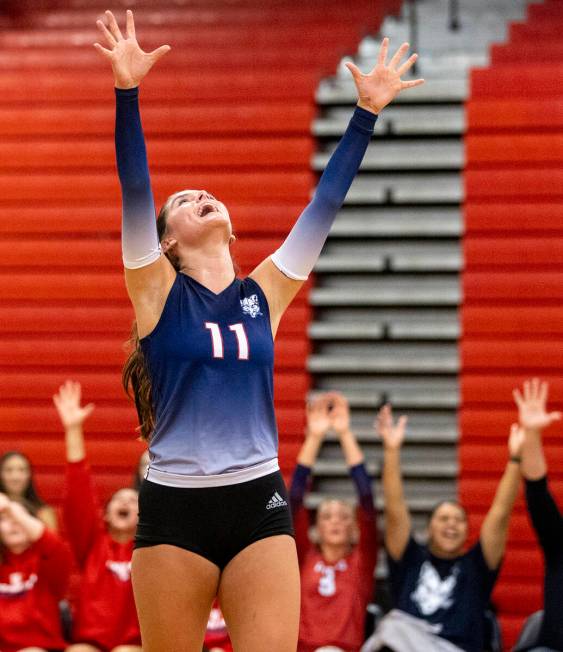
x=276 y=501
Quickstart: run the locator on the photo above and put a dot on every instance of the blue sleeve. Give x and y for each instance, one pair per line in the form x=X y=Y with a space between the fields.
x=363 y=486
x=300 y=251
x=139 y=239
x=298 y=486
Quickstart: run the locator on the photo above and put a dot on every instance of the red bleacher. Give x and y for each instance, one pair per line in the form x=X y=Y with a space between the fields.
x=513 y=283
x=229 y=109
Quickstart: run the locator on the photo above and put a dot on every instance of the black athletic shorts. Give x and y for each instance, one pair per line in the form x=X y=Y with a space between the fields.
x=214 y=522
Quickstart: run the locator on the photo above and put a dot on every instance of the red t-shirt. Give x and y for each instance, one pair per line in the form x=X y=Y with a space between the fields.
x=105 y=613
x=217 y=635
x=334 y=596
x=31 y=585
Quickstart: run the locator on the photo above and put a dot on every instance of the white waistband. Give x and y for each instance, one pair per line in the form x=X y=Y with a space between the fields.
x=221 y=480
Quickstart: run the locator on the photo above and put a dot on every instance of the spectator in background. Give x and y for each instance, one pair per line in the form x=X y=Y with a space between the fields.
x=440 y=591
x=16 y=481
x=337 y=571
x=34 y=571
x=544 y=513
x=105 y=617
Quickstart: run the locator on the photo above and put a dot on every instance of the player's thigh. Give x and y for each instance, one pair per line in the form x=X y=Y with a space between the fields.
x=127 y=648
x=174 y=590
x=81 y=647
x=259 y=594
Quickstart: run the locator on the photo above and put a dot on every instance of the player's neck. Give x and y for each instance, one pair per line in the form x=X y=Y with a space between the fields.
x=212 y=268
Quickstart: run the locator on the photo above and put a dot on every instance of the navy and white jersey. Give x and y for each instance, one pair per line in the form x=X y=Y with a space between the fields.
x=210 y=359
x=451 y=594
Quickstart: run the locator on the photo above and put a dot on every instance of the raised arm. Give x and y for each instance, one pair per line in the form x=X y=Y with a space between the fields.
x=80 y=505
x=397 y=516
x=494 y=529
x=318 y=423
x=282 y=274
x=532 y=410
x=148 y=274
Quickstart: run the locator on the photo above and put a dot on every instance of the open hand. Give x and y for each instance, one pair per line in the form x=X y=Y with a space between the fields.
x=129 y=63
x=339 y=413
x=532 y=412
x=67 y=402
x=318 y=416
x=516 y=440
x=380 y=87
x=392 y=434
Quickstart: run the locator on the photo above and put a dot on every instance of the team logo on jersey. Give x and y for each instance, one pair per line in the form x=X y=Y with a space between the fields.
x=276 y=501
x=250 y=306
x=432 y=592
x=121 y=569
x=17 y=584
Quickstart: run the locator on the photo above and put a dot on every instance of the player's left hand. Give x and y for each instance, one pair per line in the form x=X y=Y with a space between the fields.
x=380 y=87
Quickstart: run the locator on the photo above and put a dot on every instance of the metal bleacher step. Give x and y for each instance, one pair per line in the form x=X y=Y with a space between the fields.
x=406 y=188
x=434 y=120
x=407 y=291
x=438 y=329
x=398 y=221
x=437 y=154
x=409 y=393
x=385 y=358
x=437 y=468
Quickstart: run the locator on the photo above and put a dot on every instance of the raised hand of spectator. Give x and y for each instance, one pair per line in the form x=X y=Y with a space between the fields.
x=339 y=413
x=516 y=440
x=67 y=402
x=318 y=416
x=531 y=402
x=392 y=433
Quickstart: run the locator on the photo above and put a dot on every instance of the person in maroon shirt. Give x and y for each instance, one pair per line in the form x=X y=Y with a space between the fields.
x=34 y=571
x=337 y=571
x=105 y=617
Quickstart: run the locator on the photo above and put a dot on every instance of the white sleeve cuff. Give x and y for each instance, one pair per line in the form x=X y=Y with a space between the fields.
x=275 y=258
x=137 y=263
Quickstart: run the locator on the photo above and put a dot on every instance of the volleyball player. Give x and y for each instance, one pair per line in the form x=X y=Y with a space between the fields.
x=214 y=516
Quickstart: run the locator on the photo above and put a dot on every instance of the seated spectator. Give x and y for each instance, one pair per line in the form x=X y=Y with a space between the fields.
x=337 y=571
x=34 y=571
x=545 y=516
x=440 y=590
x=105 y=618
x=16 y=481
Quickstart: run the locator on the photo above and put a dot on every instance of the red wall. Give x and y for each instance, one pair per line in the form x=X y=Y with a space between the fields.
x=513 y=283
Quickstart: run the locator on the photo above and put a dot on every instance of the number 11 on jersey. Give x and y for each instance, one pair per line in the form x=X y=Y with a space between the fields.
x=217 y=340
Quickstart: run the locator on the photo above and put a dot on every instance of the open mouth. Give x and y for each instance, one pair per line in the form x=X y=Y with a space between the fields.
x=206 y=209
x=123 y=513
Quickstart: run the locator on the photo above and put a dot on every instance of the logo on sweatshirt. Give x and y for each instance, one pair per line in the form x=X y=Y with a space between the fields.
x=250 y=306
x=17 y=585
x=121 y=569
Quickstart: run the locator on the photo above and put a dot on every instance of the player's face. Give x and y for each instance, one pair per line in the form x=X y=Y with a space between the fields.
x=15 y=475
x=335 y=523
x=12 y=534
x=193 y=214
x=122 y=512
x=448 y=530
